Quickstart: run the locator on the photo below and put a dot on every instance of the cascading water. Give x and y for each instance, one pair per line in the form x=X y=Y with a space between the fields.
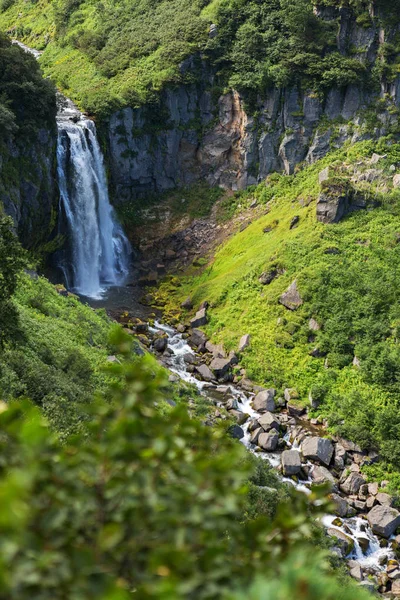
x=99 y=249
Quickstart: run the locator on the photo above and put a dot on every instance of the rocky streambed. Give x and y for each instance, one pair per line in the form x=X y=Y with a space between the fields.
x=364 y=523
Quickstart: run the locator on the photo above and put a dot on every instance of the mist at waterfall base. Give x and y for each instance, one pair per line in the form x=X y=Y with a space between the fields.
x=97 y=257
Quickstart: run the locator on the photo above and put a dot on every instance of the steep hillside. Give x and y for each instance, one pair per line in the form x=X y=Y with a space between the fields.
x=339 y=346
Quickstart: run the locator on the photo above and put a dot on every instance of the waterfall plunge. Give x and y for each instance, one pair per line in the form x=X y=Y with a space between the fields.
x=100 y=250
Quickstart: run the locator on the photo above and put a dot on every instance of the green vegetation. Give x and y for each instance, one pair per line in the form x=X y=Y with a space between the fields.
x=148 y=506
x=348 y=276
x=27 y=101
x=122 y=495
x=112 y=54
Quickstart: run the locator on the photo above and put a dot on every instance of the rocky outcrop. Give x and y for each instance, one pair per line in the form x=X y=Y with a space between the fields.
x=193 y=135
x=28 y=189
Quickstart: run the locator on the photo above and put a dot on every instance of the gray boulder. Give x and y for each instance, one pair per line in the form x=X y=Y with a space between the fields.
x=265 y=401
x=160 y=344
x=291 y=463
x=352 y=483
x=244 y=342
x=340 y=504
x=200 y=319
x=291 y=299
x=268 y=441
x=198 y=338
x=321 y=475
x=267 y=421
x=384 y=520
x=220 y=366
x=345 y=542
x=236 y=432
x=255 y=435
x=205 y=373
x=319 y=449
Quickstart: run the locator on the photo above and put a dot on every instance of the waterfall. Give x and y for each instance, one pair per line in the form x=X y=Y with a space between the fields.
x=99 y=249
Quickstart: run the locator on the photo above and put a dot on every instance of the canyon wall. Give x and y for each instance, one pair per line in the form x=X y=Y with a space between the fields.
x=194 y=135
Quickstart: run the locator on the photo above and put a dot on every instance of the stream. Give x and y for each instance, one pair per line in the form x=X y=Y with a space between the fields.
x=374 y=557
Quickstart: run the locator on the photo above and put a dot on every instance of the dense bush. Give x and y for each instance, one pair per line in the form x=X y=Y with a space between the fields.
x=146 y=506
x=116 y=54
x=27 y=101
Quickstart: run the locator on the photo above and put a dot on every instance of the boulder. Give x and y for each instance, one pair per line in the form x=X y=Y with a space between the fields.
x=198 y=338
x=340 y=504
x=199 y=319
x=160 y=344
x=384 y=520
x=295 y=410
x=356 y=571
x=363 y=542
x=290 y=394
x=267 y=421
x=294 y=222
x=319 y=449
x=236 y=432
x=321 y=475
x=265 y=401
x=291 y=463
x=268 y=441
x=239 y=416
x=396 y=588
x=244 y=342
x=334 y=200
x=205 y=373
x=268 y=276
x=373 y=488
x=345 y=542
x=216 y=350
x=385 y=499
x=255 y=435
x=396 y=181
x=220 y=366
x=291 y=299
x=352 y=483
x=313 y=325
x=323 y=175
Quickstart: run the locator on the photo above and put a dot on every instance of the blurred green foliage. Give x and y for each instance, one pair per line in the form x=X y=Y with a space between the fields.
x=145 y=505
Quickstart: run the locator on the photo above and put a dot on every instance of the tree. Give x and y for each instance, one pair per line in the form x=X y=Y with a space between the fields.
x=12 y=260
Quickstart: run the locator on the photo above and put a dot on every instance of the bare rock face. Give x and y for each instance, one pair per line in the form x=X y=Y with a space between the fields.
x=384 y=520
x=291 y=463
x=291 y=299
x=319 y=449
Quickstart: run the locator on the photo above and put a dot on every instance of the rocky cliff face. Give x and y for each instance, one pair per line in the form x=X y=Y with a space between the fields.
x=200 y=137
x=28 y=188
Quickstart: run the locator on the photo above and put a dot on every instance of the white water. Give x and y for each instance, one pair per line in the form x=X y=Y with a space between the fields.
x=354 y=527
x=100 y=250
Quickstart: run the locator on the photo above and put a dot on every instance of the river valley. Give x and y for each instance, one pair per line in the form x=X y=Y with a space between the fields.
x=97 y=266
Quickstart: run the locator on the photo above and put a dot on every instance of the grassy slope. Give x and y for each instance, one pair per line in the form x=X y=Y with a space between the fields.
x=353 y=294
x=145 y=45
x=57 y=358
